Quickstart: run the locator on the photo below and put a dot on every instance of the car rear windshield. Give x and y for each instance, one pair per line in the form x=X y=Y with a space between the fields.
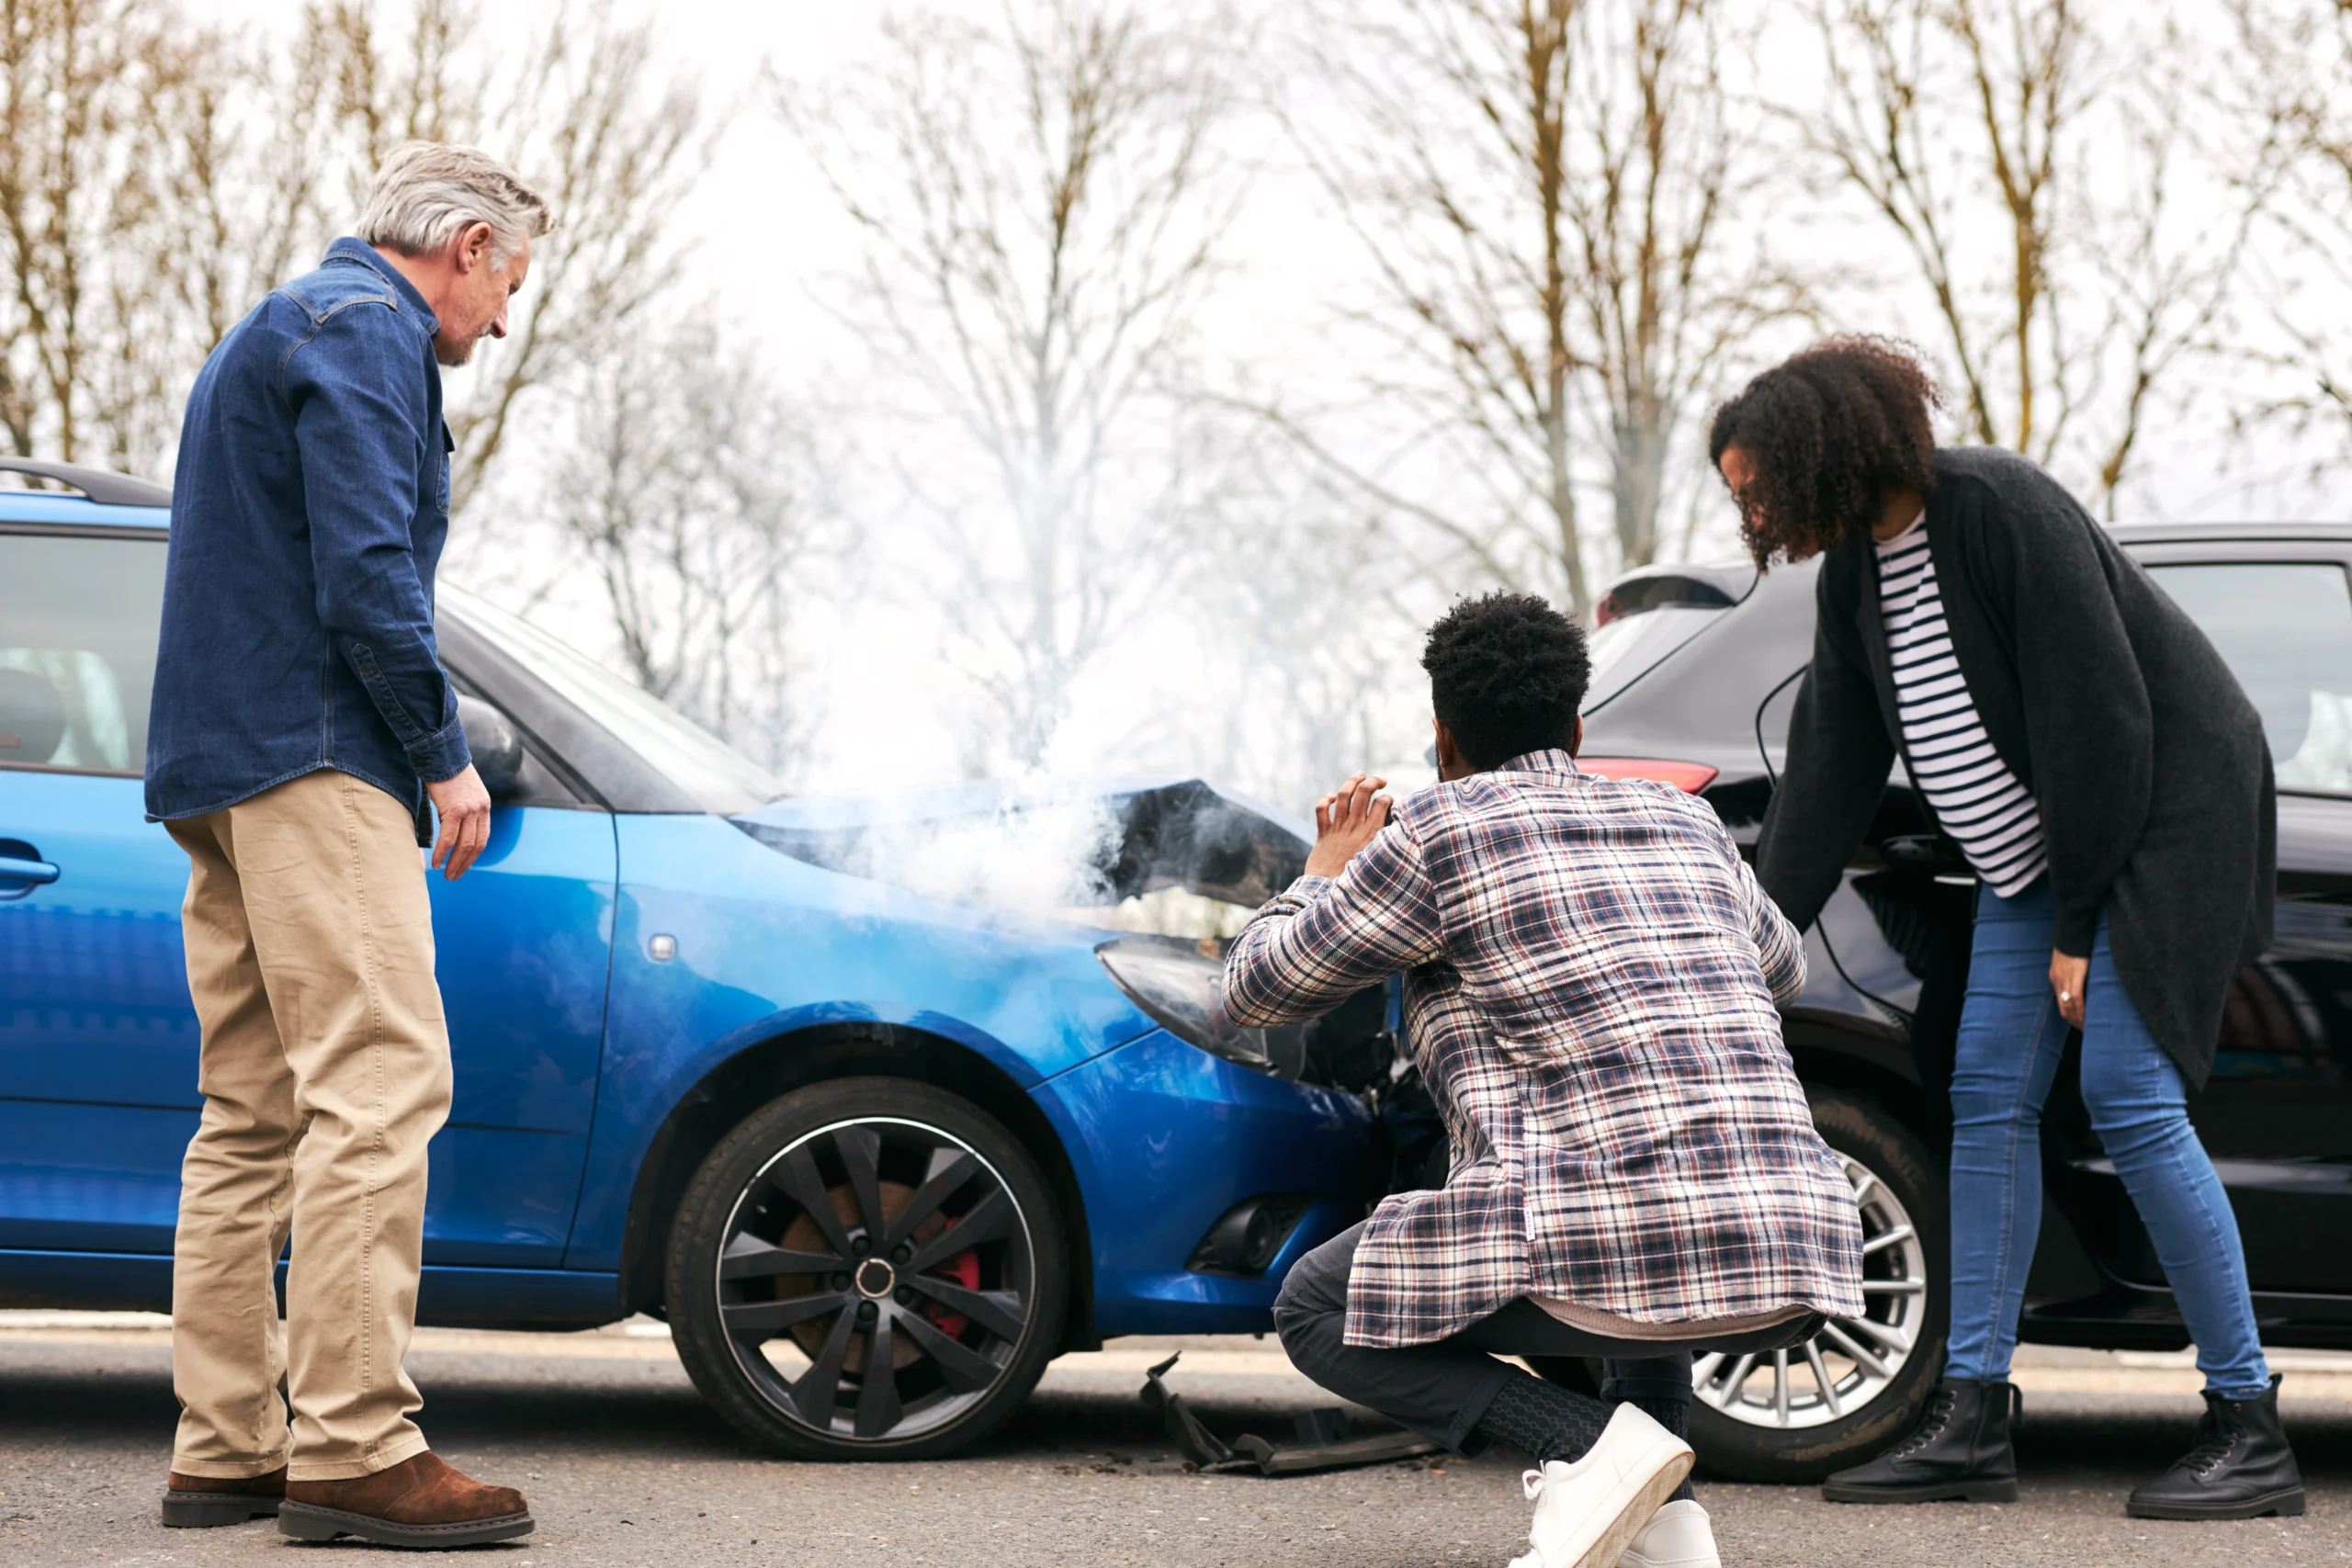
x=1642 y=618
x=2285 y=628
x=1630 y=645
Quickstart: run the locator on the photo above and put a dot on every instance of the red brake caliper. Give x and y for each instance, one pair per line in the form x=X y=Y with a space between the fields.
x=965 y=1270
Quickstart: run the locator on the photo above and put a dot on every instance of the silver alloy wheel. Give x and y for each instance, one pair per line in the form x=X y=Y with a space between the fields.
x=877 y=1279
x=1851 y=1361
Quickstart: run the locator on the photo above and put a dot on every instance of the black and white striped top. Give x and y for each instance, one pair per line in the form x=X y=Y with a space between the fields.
x=1975 y=798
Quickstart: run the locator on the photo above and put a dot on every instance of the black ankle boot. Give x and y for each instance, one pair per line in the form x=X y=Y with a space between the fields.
x=2241 y=1467
x=1960 y=1449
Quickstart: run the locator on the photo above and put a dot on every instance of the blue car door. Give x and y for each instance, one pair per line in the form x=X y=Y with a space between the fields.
x=522 y=950
x=98 y=1041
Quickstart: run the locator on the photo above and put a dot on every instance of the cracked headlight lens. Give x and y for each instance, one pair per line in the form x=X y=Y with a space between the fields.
x=1182 y=987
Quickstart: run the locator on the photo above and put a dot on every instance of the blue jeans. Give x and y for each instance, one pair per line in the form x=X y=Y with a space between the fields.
x=2010 y=1039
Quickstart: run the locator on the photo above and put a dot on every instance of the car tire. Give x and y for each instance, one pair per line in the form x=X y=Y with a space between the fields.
x=780 y=1292
x=1755 y=1431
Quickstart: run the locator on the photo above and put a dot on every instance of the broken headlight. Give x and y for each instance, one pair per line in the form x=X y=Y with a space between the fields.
x=1182 y=987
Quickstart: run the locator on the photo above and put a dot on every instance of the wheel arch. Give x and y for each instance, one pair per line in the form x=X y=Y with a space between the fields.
x=794 y=1060
x=1830 y=1057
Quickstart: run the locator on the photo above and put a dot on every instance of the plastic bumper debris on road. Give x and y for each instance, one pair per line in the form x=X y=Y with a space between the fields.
x=1323 y=1440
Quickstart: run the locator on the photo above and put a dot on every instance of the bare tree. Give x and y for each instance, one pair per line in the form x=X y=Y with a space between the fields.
x=1673 y=290
x=697 y=491
x=83 y=218
x=157 y=176
x=2297 y=78
x=583 y=113
x=1549 y=193
x=1453 y=175
x=2031 y=163
x=1040 y=200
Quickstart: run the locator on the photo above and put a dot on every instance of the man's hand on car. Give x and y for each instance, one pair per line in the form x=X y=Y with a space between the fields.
x=463 y=805
x=1345 y=821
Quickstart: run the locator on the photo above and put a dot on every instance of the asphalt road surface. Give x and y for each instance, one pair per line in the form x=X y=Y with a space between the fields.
x=623 y=1467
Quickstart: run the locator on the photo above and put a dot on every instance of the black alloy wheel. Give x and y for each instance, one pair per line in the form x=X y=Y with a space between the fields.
x=868 y=1268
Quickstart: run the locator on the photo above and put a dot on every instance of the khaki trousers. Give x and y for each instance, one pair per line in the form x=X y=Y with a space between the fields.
x=325 y=1070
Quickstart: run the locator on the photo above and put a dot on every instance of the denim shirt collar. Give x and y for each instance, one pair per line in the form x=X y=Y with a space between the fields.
x=411 y=302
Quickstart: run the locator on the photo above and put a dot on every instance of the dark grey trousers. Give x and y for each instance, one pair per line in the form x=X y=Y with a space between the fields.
x=1441 y=1389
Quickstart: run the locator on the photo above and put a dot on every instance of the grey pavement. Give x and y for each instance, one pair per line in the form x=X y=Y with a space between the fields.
x=625 y=1467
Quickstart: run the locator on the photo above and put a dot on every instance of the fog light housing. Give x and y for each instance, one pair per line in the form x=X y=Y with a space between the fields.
x=1247 y=1236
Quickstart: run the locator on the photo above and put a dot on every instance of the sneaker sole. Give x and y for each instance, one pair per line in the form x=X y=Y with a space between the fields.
x=1631 y=1519
x=206 y=1510
x=309 y=1521
x=2287 y=1505
x=1940 y=1492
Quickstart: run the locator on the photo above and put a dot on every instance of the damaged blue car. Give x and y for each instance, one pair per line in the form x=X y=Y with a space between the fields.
x=787 y=1073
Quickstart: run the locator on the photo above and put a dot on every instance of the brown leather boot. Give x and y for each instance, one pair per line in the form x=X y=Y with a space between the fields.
x=199 y=1502
x=418 y=1502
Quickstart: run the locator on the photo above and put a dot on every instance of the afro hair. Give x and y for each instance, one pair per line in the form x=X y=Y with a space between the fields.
x=1507 y=673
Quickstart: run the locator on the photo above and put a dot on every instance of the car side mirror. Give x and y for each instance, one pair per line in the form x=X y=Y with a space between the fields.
x=497 y=749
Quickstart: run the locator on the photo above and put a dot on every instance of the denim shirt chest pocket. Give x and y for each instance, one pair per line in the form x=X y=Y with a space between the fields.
x=448 y=446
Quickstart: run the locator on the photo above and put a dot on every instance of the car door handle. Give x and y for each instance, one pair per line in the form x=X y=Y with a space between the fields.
x=31 y=873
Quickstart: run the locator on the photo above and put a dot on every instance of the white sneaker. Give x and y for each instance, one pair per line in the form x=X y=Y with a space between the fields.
x=1678 y=1536
x=1586 y=1512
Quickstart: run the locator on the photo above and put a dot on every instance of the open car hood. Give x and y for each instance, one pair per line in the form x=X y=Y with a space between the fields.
x=1123 y=838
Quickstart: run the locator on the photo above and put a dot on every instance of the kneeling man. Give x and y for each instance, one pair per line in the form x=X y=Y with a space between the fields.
x=1590 y=979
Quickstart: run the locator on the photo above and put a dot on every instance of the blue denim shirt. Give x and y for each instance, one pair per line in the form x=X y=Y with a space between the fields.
x=308 y=514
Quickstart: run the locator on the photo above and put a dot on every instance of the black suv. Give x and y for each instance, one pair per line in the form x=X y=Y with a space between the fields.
x=1695 y=670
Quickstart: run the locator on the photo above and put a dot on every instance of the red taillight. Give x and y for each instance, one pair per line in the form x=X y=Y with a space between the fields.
x=1690 y=777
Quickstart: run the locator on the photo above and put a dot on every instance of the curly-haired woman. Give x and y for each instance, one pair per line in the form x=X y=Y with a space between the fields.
x=2078 y=738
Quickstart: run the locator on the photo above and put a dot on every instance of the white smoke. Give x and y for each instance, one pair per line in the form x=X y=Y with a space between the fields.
x=1040 y=852
x=1047 y=848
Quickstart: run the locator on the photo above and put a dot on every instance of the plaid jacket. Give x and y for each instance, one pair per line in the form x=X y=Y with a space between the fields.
x=1590 y=974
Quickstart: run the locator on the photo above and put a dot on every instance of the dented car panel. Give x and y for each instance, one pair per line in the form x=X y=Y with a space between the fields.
x=1167 y=1138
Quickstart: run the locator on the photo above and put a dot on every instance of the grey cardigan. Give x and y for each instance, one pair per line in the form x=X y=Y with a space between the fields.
x=2144 y=756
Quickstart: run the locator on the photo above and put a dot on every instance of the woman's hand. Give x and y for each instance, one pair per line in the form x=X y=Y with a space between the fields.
x=2068 y=976
x=1345 y=821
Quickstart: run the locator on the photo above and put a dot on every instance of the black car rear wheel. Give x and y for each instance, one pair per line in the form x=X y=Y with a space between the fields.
x=1796 y=1415
x=870 y=1268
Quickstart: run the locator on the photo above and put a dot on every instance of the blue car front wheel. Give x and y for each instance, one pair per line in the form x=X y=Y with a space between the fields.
x=868 y=1268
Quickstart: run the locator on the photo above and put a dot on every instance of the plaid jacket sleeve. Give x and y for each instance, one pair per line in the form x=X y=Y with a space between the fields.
x=1779 y=948
x=1322 y=939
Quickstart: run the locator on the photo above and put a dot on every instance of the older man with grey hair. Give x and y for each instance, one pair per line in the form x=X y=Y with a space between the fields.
x=302 y=726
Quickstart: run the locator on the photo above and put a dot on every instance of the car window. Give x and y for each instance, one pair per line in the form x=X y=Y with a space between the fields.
x=712 y=773
x=78 y=617
x=2286 y=629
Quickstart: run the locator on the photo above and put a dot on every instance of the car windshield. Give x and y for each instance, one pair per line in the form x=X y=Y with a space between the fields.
x=713 y=774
